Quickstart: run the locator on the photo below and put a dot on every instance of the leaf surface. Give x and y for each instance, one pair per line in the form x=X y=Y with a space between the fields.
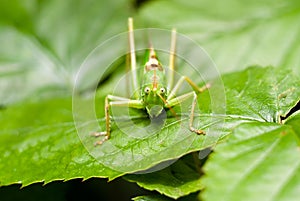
x=39 y=144
x=177 y=180
x=259 y=161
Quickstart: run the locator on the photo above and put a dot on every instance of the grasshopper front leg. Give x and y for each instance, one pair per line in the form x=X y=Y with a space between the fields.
x=111 y=100
x=192 y=128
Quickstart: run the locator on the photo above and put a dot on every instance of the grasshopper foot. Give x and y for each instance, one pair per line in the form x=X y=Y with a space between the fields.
x=197 y=131
x=98 y=134
x=204 y=88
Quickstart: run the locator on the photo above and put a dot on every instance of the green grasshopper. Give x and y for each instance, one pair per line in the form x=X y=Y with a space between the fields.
x=155 y=94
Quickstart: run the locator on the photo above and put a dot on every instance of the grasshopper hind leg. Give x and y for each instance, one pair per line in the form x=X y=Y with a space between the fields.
x=180 y=99
x=98 y=134
x=191 y=127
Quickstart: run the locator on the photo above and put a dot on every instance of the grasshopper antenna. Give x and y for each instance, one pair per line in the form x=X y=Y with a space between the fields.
x=172 y=59
x=132 y=56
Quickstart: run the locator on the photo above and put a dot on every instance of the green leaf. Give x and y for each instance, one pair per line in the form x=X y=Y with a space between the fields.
x=260 y=161
x=41 y=135
x=235 y=34
x=39 y=144
x=261 y=94
x=294 y=122
x=43 y=43
x=177 y=180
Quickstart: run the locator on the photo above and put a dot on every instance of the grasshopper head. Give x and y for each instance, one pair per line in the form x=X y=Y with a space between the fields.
x=154 y=100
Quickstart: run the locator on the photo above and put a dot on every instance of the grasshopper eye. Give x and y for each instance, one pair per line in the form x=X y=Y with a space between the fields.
x=162 y=90
x=147 y=90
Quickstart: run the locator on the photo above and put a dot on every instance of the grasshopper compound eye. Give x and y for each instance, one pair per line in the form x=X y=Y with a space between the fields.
x=162 y=90
x=147 y=90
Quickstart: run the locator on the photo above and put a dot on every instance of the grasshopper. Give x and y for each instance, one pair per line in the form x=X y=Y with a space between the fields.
x=155 y=94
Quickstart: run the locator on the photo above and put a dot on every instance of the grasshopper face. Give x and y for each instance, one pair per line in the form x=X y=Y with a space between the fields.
x=154 y=99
